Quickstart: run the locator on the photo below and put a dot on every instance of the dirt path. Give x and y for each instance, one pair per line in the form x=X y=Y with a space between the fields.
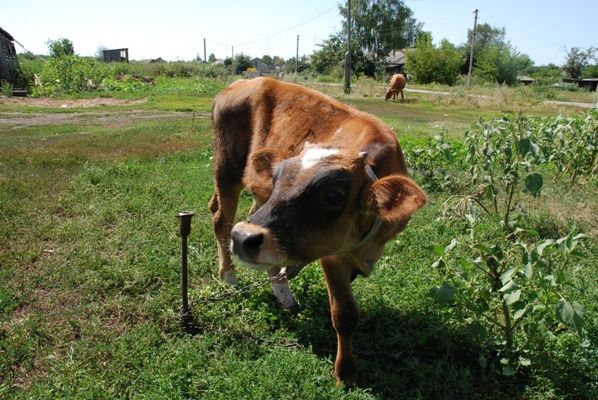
x=111 y=119
x=68 y=103
x=481 y=96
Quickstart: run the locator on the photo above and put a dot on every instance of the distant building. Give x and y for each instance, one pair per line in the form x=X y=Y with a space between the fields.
x=589 y=83
x=395 y=62
x=525 y=80
x=261 y=66
x=116 y=55
x=9 y=63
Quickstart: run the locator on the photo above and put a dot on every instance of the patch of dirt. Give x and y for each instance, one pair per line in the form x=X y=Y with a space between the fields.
x=110 y=119
x=69 y=103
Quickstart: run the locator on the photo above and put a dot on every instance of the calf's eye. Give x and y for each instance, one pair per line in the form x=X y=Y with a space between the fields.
x=333 y=198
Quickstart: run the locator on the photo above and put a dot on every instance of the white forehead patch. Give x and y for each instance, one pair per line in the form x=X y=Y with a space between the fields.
x=314 y=155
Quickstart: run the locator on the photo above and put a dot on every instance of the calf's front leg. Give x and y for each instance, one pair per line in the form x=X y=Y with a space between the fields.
x=345 y=314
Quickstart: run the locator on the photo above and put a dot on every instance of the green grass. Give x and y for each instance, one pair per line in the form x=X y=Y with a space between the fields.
x=89 y=275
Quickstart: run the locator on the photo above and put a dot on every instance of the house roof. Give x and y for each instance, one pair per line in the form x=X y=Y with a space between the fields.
x=396 y=57
x=6 y=34
x=525 y=78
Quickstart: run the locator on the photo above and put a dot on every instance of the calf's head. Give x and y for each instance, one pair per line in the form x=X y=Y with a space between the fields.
x=323 y=202
x=389 y=93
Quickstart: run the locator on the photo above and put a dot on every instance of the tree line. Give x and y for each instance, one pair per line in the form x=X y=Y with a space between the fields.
x=380 y=27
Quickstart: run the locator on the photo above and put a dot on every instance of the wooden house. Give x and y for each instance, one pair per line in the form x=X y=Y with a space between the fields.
x=9 y=63
x=116 y=55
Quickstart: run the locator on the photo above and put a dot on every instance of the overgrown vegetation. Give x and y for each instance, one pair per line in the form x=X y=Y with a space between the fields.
x=518 y=288
x=428 y=63
x=89 y=262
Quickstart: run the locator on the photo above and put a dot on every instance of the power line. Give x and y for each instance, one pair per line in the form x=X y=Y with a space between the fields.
x=288 y=29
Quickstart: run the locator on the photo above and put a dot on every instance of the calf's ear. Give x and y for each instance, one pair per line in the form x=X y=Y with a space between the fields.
x=396 y=197
x=264 y=161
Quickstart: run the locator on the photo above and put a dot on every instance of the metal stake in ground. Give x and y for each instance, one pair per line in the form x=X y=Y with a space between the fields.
x=187 y=321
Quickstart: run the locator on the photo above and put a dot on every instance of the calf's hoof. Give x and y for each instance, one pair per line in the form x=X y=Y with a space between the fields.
x=230 y=277
x=345 y=373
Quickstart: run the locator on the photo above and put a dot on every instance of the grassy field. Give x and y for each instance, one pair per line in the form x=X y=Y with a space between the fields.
x=89 y=272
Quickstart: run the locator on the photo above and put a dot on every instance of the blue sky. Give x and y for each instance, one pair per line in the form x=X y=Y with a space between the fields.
x=175 y=29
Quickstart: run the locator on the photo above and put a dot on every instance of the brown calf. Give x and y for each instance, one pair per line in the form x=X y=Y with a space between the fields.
x=329 y=182
x=397 y=84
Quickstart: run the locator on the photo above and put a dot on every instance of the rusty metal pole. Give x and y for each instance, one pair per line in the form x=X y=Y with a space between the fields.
x=186 y=316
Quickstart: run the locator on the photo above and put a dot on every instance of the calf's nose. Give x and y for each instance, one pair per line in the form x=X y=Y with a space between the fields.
x=246 y=242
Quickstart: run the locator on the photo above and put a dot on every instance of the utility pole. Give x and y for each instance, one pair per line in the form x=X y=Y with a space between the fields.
x=348 y=54
x=232 y=51
x=205 y=59
x=297 y=56
x=475 y=24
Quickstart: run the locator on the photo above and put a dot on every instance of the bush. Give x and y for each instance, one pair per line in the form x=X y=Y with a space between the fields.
x=499 y=64
x=427 y=63
x=71 y=74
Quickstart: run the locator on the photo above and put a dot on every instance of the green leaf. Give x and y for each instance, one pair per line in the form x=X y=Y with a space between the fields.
x=438 y=250
x=570 y=314
x=475 y=330
x=465 y=263
x=533 y=184
x=524 y=146
x=444 y=293
x=550 y=278
x=529 y=270
x=524 y=362
x=508 y=371
x=540 y=248
x=439 y=264
x=512 y=296
x=519 y=309
x=506 y=276
x=509 y=286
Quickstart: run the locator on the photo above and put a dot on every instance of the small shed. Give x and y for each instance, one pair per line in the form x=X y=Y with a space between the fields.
x=395 y=62
x=590 y=84
x=261 y=66
x=525 y=80
x=9 y=63
x=116 y=55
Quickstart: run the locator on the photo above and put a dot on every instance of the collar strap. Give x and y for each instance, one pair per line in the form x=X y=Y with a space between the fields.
x=377 y=222
x=370 y=235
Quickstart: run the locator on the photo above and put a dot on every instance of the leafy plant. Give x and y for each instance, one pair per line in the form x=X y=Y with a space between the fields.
x=433 y=162
x=5 y=89
x=428 y=63
x=571 y=143
x=502 y=158
x=515 y=287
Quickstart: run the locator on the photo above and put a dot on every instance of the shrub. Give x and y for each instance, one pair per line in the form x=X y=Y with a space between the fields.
x=427 y=63
x=71 y=74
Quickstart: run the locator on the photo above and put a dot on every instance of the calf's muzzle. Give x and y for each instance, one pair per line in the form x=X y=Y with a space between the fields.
x=254 y=246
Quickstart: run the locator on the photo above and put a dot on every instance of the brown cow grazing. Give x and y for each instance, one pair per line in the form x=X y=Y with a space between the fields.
x=397 y=84
x=329 y=182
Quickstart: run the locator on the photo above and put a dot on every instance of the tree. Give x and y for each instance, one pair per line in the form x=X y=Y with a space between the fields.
x=501 y=64
x=331 y=54
x=290 y=64
x=486 y=36
x=378 y=27
x=550 y=73
x=577 y=60
x=100 y=52
x=266 y=59
x=60 y=47
x=428 y=63
x=239 y=63
x=212 y=58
